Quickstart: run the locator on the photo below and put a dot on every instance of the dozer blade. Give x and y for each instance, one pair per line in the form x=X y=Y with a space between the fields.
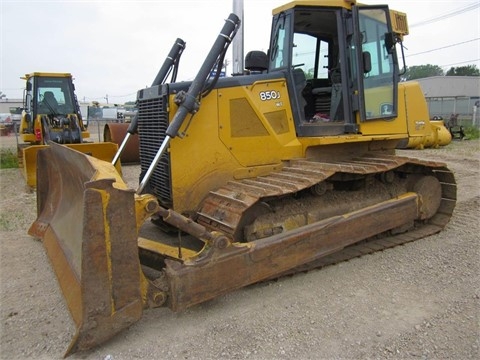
x=103 y=151
x=89 y=230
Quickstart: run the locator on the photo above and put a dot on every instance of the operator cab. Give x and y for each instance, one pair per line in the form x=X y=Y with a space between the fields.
x=341 y=65
x=52 y=95
x=51 y=110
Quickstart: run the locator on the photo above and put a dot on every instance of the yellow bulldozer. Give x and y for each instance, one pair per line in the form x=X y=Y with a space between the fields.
x=52 y=114
x=289 y=166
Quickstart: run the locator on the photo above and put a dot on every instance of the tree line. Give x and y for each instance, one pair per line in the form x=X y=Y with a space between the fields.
x=423 y=71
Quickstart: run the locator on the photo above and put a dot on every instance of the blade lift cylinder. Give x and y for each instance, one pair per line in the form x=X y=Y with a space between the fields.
x=187 y=101
x=170 y=64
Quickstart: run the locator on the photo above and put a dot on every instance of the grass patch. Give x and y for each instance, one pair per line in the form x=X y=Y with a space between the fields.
x=8 y=159
x=472 y=132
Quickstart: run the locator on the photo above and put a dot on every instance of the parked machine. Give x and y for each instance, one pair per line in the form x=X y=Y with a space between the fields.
x=51 y=114
x=249 y=177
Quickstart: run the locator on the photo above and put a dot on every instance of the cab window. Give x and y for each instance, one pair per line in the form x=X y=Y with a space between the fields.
x=379 y=82
x=279 y=50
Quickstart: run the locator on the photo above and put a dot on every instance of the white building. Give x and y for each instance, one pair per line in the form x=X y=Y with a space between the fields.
x=448 y=95
x=6 y=105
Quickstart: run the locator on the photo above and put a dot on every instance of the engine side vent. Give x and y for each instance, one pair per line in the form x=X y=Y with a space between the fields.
x=152 y=125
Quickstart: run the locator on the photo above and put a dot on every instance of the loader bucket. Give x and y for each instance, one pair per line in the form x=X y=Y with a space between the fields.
x=103 y=151
x=86 y=219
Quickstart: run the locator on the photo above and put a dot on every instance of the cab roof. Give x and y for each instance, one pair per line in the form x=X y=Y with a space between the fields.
x=46 y=74
x=347 y=4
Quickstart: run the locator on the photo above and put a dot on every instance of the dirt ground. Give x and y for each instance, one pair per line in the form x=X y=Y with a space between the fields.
x=416 y=301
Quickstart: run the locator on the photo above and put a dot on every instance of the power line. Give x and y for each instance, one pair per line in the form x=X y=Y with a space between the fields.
x=447 y=15
x=443 y=47
x=117 y=96
x=109 y=96
x=458 y=63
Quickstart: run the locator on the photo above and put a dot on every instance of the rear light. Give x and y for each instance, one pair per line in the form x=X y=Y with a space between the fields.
x=38 y=134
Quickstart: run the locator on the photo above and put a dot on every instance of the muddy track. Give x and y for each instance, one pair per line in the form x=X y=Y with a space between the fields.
x=388 y=240
x=225 y=209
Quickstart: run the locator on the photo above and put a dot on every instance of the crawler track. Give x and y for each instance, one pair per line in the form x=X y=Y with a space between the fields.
x=226 y=207
x=369 y=246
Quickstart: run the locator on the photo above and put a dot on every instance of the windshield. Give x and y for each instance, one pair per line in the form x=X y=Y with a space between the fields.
x=54 y=96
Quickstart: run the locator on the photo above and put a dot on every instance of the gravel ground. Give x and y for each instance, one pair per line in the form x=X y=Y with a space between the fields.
x=416 y=301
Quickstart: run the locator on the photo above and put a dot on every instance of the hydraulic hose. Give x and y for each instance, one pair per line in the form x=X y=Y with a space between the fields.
x=170 y=62
x=188 y=101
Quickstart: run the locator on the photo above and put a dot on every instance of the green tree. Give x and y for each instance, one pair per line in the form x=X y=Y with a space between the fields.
x=469 y=70
x=422 y=71
x=308 y=73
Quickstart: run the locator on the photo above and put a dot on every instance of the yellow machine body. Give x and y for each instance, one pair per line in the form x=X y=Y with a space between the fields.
x=249 y=177
x=256 y=137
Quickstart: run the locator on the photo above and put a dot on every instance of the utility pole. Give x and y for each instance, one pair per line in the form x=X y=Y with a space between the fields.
x=475 y=114
x=225 y=65
x=237 y=43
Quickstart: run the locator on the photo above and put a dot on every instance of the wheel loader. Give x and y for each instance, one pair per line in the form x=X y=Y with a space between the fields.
x=287 y=167
x=52 y=114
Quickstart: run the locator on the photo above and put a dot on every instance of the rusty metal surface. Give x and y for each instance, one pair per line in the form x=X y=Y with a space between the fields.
x=422 y=229
x=89 y=232
x=116 y=132
x=225 y=209
x=223 y=270
x=110 y=267
x=323 y=243
x=28 y=154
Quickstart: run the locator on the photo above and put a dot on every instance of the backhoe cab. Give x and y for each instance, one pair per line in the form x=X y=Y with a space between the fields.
x=52 y=114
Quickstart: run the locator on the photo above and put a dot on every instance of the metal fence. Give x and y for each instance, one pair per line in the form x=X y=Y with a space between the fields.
x=466 y=109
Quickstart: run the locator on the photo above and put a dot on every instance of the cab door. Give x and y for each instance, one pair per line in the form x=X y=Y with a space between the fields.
x=377 y=65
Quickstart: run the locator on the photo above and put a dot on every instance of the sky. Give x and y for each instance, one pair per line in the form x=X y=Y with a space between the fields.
x=114 y=48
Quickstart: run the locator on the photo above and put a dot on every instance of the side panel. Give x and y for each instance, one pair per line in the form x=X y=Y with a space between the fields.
x=199 y=161
x=397 y=125
x=422 y=132
x=256 y=123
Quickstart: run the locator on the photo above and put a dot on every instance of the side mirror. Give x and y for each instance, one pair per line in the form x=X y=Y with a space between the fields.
x=390 y=42
x=367 y=62
x=28 y=104
x=29 y=86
